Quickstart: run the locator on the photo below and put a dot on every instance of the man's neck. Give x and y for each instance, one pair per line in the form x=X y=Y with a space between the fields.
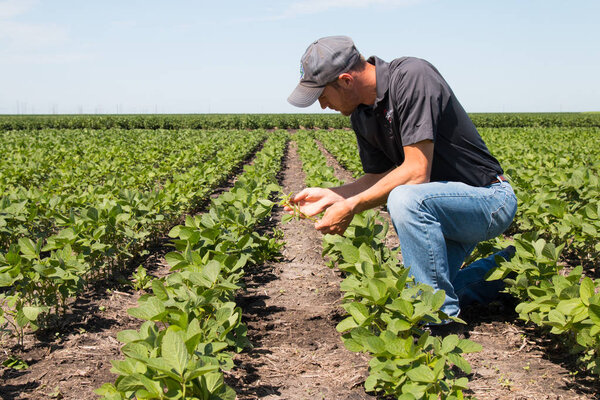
x=368 y=85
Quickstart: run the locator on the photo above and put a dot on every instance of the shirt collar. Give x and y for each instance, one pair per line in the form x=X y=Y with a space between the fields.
x=382 y=74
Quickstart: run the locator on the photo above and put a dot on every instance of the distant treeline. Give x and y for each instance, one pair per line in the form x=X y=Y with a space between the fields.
x=269 y=121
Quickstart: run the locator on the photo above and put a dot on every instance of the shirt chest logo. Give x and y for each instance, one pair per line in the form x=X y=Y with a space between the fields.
x=388 y=115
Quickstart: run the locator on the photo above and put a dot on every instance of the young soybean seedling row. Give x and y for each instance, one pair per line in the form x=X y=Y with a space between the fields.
x=192 y=322
x=80 y=215
x=387 y=310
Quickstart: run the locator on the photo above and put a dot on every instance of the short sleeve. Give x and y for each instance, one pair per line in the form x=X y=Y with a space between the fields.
x=420 y=96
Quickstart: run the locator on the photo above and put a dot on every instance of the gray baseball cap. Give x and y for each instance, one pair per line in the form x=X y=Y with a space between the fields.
x=324 y=60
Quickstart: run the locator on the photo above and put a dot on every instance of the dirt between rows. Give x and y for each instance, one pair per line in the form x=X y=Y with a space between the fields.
x=291 y=308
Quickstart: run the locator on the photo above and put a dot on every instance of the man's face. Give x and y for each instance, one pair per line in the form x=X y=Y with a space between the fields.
x=339 y=99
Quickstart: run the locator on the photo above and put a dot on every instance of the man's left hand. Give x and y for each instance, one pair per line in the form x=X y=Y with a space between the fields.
x=336 y=218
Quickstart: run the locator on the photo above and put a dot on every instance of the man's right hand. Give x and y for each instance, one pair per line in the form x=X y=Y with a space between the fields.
x=312 y=201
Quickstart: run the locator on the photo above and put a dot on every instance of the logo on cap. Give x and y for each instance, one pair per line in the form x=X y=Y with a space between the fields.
x=301 y=71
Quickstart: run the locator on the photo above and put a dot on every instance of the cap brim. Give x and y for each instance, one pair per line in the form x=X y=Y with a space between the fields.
x=304 y=96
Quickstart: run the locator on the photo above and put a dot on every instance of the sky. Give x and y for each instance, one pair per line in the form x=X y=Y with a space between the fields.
x=130 y=56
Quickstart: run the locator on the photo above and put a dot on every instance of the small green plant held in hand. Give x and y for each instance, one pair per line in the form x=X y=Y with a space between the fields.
x=294 y=209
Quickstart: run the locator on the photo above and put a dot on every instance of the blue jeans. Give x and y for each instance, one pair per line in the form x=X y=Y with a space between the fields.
x=439 y=224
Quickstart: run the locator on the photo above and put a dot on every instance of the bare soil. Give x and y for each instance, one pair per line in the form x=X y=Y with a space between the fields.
x=291 y=308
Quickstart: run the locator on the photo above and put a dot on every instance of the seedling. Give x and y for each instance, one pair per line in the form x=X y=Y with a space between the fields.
x=295 y=212
x=14 y=362
x=141 y=280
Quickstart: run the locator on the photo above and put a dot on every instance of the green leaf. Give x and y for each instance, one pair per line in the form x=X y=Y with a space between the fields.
x=399 y=325
x=377 y=290
x=438 y=299
x=371 y=383
x=150 y=309
x=461 y=383
x=589 y=229
x=460 y=362
x=550 y=252
x=422 y=373
x=199 y=369
x=359 y=311
x=570 y=307
x=403 y=306
x=27 y=247
x=153 y=387
x=21 y=319
x=586 y=290
x=346 y=324
x=594 y=312
x=135 y=350
x=557 y=317
x=449 y=343
x=129 y=383
x=173 y=350
x=159 y=290
x=349 y=252
x=7 y=280
x=107 y=390
x=397 y=346
x=468 y=346
x=539 y=247
x=211 y=271
x=163 y=366
x=495 y=274
x=31 y=313
x=92 y=213
x=16 y=363
x=374 y=344
x=352 y=345
x=128 y=335
x=173 y=258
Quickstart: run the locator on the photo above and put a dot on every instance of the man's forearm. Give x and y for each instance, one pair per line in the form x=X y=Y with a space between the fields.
x=372 y=190
x=377 y=194
x=358 y=186
x=416 y=169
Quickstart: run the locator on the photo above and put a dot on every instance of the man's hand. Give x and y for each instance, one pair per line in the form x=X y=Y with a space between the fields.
x=336 y=218
x=312 y=201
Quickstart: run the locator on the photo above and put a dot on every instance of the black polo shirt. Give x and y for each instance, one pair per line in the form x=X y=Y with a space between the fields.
x=415 y=103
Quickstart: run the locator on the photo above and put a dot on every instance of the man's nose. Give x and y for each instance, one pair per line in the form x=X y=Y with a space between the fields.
x=323 y=104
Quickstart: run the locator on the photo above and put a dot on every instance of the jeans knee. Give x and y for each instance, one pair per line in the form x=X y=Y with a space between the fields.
x=503 y=216
x=402 y=203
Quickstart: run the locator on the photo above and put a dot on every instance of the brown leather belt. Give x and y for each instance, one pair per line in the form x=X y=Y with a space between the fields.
x=499 y=178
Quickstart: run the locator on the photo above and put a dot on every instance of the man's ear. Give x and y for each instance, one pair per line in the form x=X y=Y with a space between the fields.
x=345 y=80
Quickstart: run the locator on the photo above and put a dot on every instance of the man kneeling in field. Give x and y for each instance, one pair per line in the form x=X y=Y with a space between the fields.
x=422 y=155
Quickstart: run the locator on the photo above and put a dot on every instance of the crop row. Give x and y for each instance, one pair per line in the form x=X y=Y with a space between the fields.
x=342 y=145
x=174 y=121
x=49 y=173
x=54 y=242
x=387 y=310
x=62 y=161
x=269 y=121
x=556 y=177
x=192 y=323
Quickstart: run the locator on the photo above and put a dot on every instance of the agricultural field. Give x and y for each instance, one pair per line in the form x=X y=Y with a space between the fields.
x=150 y=257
